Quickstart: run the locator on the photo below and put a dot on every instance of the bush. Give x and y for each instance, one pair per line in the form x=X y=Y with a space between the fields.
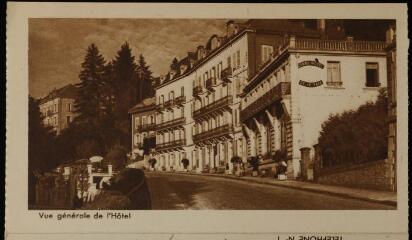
x=87 y=148
x=236 y=160
x=356 y=136
x=185 y=162
x=117 y=156
x=254 y=162
x=152 y=162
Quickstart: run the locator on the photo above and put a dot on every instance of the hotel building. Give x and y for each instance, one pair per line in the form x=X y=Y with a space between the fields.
x=264 y=89
x=306 y=80
x=143 y=130
x=57 y=108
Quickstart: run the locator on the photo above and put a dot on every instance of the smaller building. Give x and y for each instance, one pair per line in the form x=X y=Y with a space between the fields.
x=143 y=130
x=57 y=108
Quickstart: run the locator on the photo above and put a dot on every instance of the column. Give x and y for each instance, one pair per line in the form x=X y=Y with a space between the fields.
x=229 y=150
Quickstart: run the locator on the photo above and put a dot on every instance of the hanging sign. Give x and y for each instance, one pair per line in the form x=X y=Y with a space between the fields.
x=310 y=84
x=314 y=63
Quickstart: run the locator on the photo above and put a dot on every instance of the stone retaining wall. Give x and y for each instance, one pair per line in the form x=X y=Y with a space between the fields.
x=373 y=175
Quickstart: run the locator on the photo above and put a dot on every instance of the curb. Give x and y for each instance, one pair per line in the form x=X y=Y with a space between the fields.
x=332 y=193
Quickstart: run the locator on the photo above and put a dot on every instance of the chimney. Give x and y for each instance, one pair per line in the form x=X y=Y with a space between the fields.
x=321 y=26
x=390 y=35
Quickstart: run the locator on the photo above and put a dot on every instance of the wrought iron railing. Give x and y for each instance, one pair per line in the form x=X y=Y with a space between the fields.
x=273 y=95
x=219 y=104
x=213 y=133
x=170 y=145
x=172 y=123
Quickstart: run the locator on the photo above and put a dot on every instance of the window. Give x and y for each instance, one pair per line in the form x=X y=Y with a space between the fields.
x=372 y=76
x=171 y=95
x=162 y=99
x=69 y=106
x=68 y=120
x=151 y=119
x=266 y=52
x=182 y=91
x=229 y=63
x=334 y=74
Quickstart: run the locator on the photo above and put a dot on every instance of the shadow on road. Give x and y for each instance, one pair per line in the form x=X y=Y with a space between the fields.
x=175 y=194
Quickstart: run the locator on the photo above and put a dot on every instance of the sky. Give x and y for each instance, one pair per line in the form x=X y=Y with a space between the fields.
x=57 y=47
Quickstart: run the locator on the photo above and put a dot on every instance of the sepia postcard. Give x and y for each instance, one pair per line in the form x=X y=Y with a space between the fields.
x=206 y=121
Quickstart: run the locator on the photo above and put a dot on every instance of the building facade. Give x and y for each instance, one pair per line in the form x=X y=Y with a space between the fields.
x=253 y=92
x=143 y=130
x=285 y=104
x=57 y=108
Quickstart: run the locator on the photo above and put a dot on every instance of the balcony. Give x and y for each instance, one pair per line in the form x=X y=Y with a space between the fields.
x=171 y=124
x=146 y=127
x=226 y=75
x=169 y=104
x=171 y=145
x=217 y=105
x=210 y=83
x=338 y=45
x=273 y=95
x=213 y=133
x=197 y=90
x=160 y=107
x=180 y=100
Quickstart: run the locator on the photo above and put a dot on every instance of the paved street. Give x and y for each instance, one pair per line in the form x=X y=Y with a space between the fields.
x=172 y=191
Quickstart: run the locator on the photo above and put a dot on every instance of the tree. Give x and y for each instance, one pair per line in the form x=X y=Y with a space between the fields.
x=125 y=91
x=356 y=136
x=88 y=101
x=40 y=143
x=145 y=79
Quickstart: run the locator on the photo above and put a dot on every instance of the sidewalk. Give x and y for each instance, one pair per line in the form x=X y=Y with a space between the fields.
x=355 y=193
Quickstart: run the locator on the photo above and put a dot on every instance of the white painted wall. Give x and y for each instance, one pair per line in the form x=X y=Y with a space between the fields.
x=314 y=105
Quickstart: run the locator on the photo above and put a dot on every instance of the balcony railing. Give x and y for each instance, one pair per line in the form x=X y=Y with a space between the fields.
x=160 y=106
x=169 y=104
x=226 y=74
x=197 y=90
x=170 y=145
x=273 y=95
x=210 y=83
x=213 y=133
x=339 y=45
x=146 y=127
x=219 y=104
x=170 y=124
x=180 y=100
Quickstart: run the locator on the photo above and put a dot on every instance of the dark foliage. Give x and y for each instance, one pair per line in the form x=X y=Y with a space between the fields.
x=236 y=159
x=356 y=136
x=116 y=156
x=254 y=163
x=185 y=162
